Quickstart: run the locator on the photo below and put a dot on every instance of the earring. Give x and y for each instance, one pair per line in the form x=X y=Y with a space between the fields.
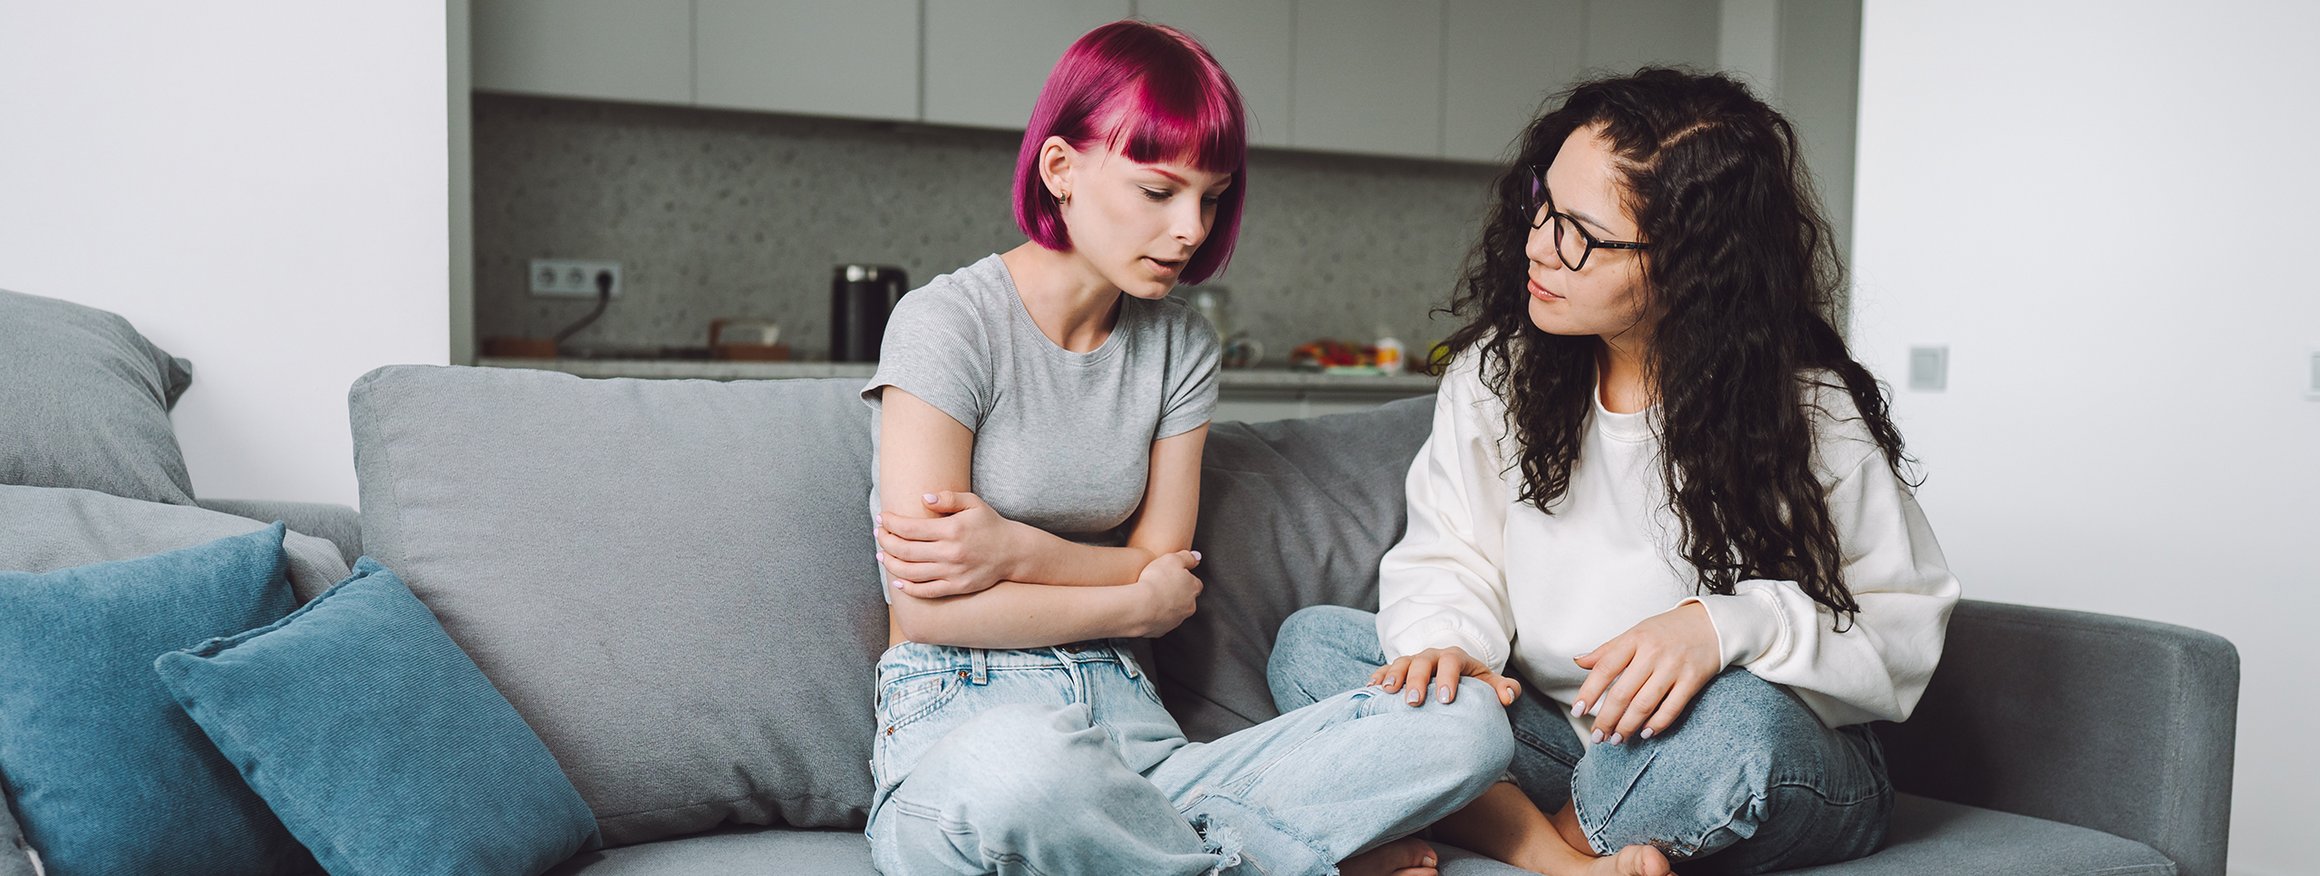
x=1062 y=198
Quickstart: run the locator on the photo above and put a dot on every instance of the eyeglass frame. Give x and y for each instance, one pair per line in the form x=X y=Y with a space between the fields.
x=1542 y=207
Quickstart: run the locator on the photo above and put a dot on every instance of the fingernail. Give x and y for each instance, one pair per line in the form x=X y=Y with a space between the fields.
x=897 y=583
x=882 y=556
x=1597 y=737
x=1445 y=695
x=1646 y=734
x=878 y=520
x=1426 y=861
x=1578 y=707
x=1416 y=696
x=1392 y=679
x=929 y=497
x=1616 y=738
x=1196 y=555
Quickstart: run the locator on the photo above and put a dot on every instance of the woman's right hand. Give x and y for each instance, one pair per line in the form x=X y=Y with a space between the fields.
x=1442 y=667
x=1171 y=591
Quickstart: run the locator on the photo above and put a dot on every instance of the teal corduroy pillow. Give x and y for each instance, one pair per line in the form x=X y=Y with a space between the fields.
x=378 y=741
x=106 y=773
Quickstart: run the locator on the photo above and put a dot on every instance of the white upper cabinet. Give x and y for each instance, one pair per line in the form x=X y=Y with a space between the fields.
x=858 y=58
x=1625 y=34
x=1505 y=58
x=986 y=59
x=1456 y=79
x=1368 y=77
x=632 y=50
x=1251 y=38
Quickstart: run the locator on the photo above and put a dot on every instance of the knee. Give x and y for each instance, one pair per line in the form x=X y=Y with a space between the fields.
x=1471 y=732
x=1320 y=651
x=1716 y=767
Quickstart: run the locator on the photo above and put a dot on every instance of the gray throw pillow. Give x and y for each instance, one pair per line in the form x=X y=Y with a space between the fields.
x=86 y=401
x=15 y=853
x=673 y=581
x=1292 y=513
x=51 y=528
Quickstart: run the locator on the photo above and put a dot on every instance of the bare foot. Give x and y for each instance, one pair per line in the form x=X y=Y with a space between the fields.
x=1636 y=860
x=1409 y=856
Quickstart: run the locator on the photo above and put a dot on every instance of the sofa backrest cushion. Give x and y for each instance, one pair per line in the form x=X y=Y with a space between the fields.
x=51 y=528
x=86 y=402
x=1292 y=513
x=673 y=581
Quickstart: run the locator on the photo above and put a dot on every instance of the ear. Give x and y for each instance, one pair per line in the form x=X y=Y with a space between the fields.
x=1057 y=159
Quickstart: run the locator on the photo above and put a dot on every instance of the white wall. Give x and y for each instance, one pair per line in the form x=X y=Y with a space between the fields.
x=2106 y=211
x=259 y=186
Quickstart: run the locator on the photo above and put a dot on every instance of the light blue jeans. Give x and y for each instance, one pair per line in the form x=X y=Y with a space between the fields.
x=1061 y=760
x=1748 y=781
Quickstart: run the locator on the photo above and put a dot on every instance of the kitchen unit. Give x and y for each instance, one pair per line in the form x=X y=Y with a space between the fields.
x=729 y=152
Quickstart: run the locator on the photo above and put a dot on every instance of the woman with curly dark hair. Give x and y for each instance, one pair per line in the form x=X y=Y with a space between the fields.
x=1661 y=492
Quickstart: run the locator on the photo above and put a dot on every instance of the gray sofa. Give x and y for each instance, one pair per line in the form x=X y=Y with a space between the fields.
x=673 y=583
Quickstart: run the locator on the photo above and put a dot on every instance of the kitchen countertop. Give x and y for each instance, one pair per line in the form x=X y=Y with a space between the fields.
x=1241 y=379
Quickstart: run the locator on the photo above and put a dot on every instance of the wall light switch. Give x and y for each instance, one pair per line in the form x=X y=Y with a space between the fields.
x=1929 y=369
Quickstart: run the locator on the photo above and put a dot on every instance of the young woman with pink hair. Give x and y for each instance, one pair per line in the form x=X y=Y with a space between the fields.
x=1039 y=417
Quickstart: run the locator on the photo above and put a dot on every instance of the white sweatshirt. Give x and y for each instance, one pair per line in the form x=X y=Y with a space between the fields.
x=1479 y=569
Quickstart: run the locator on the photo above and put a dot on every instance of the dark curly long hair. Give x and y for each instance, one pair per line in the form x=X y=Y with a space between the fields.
x=1740 y=273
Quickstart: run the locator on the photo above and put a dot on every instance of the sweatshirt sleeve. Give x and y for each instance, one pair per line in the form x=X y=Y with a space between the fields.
x=1878 y=666
x=1443 y=584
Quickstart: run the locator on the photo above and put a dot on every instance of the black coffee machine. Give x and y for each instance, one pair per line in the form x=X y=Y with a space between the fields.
x=860 y=298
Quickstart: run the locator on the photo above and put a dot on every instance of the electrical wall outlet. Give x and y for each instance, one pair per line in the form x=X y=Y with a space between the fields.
x=1929 y=369
x=571 y=278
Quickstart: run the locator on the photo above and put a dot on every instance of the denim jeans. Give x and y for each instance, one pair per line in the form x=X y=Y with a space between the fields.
x=1062 y=761
x=1748 y=781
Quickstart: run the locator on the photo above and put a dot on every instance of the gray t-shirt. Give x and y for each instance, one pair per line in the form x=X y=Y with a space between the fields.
x=1063 y=440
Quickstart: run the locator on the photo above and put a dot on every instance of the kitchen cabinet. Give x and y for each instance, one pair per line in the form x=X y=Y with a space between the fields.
x=1426 y=79
x=1367 y=77
x=1505 y=57
x=630 y=50
x=986 y=60
x=1251 y=38
x=859 y=58
x=1625 y=34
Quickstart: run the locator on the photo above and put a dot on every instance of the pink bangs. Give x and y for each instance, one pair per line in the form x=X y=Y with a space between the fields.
x=1154 y=94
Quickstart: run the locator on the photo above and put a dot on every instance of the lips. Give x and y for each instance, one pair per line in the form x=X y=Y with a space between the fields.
x=1540 y=292
x=1166 y=268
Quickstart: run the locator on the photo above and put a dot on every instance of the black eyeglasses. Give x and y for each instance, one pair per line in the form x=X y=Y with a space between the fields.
x=1569 y=234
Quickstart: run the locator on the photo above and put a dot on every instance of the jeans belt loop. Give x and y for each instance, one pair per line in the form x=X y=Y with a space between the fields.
x=979 y=663
x=1127 y=660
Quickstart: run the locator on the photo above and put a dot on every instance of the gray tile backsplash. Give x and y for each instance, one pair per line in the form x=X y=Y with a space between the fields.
x=716 y=213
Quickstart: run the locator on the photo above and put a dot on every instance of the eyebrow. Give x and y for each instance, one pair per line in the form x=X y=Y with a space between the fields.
x=1598 y=223
x=1218 y=186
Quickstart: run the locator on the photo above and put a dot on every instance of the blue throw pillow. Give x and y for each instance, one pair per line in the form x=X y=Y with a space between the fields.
x=378 y=741
x=106 y=772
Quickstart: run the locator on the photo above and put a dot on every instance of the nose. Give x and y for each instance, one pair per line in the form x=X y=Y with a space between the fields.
x=1540 y=247
x=1189 y=224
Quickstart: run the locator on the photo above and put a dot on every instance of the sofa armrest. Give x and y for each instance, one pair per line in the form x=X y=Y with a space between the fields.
x=338 y=523
x=2124 y=726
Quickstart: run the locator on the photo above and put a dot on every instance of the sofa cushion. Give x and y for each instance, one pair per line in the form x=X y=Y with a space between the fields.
x=15 y=852
x=107 y=773
x=366 y=730
x=673 y=581
x=52 y=528
x=1292 y=513
x=738 y=850
x=86 y=403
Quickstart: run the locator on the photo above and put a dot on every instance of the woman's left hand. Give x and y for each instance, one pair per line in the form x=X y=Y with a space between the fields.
x=1639 y=683
x=966 y=549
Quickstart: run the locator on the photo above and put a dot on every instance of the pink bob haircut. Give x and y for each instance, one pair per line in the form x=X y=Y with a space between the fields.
x=1155 y=94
